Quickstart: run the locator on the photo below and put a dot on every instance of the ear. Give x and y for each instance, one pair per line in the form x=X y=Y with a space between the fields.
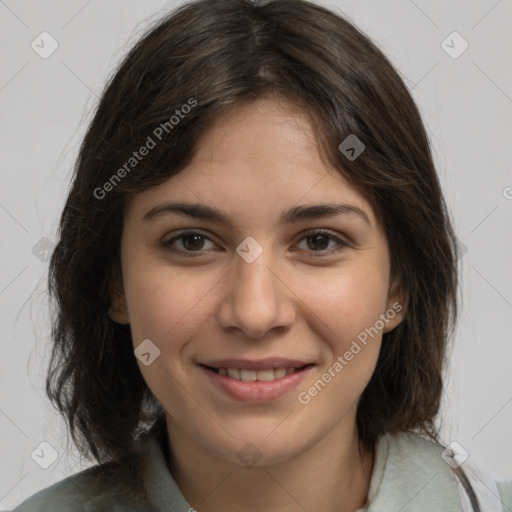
x=396 y=304
x=118 y=311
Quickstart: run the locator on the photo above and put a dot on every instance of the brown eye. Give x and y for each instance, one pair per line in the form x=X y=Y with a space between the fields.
x=187 y=242
x=319 y=241
x=193 y=242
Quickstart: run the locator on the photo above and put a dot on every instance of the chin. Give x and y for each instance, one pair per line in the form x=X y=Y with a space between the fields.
x=261 y=447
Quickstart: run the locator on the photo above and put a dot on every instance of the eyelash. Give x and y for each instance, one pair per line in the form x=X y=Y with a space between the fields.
x=168 y=243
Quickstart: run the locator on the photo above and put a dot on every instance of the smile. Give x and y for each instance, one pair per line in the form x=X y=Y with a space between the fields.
x=244 y=375
x=253 y=382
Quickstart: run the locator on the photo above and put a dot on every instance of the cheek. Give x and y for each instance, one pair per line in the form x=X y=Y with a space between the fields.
x=347 y=311
x=346 y=301
x=165 y=305
x=168 y=309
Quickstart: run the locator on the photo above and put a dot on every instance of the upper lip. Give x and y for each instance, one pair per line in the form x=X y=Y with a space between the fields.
x=260 y=364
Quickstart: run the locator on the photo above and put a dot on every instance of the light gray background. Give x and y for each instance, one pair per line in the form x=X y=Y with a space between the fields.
x=46 y=103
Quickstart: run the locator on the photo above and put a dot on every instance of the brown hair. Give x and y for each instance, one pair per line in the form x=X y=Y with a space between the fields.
x=220 y=54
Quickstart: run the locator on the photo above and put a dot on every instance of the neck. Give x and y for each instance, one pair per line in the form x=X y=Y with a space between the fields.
x=333 y=476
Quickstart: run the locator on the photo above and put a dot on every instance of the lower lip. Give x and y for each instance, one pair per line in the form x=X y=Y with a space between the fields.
x=256 y=391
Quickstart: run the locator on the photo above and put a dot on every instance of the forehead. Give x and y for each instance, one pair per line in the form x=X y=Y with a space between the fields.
x=257 y=158
x=264 y=129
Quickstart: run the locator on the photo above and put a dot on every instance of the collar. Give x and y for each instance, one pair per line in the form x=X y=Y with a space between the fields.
x=409 y=475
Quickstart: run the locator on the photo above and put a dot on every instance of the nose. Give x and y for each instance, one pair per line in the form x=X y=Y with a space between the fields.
x=258 y=299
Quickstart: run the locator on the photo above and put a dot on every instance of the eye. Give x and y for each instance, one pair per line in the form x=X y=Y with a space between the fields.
x=318 y=241
x=190 y=242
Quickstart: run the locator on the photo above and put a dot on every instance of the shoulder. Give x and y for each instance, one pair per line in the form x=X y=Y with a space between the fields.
x=410 y=451
x=413 y=455
x=505 y=490
x=105 y=488
x=414 y=474
x=81 y=492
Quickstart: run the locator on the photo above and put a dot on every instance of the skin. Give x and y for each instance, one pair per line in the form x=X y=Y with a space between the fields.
x=294 y=300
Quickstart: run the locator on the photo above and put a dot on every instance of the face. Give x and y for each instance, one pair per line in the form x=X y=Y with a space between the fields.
x=263 y=313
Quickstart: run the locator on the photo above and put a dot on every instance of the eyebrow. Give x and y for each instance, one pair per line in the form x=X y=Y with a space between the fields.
x=291 y=216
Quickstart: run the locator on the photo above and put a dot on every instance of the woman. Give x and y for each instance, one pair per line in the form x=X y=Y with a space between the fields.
x=256 y=278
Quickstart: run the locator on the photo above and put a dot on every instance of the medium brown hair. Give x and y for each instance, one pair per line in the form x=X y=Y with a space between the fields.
x=223 y=53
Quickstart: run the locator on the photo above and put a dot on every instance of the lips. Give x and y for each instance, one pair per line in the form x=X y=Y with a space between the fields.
x=256 y=381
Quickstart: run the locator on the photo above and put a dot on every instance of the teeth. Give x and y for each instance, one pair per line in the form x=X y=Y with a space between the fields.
x=265 y=375
x=252 y=375
x=280 y=372
x=234 y=373
x=247 y=375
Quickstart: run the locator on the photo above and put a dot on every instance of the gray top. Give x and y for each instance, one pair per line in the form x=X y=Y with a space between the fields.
x=409 y=475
